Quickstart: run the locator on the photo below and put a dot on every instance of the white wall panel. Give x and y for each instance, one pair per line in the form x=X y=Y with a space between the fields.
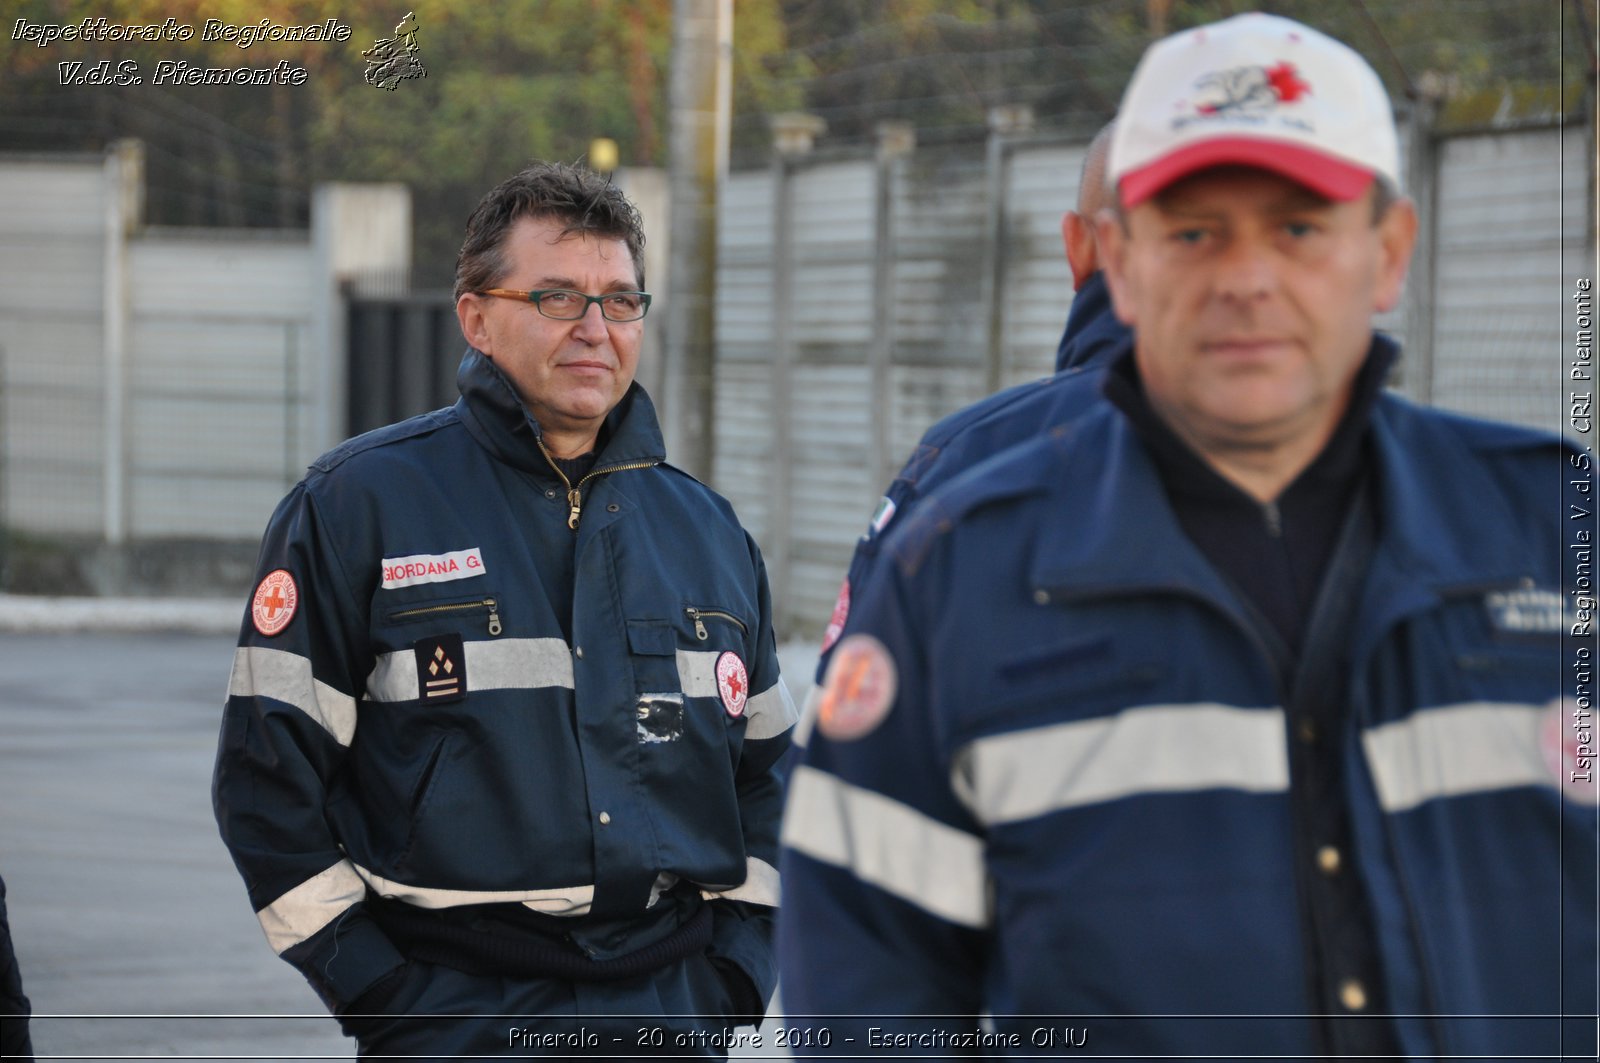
x=1511 y=217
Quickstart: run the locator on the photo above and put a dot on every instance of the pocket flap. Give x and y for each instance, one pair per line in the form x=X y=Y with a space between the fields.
x=652 y=638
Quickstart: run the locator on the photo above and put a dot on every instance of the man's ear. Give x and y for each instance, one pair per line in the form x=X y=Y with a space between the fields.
x=1112 y=242
x=1077 y=233
x=474 y=328
x=1397 y=236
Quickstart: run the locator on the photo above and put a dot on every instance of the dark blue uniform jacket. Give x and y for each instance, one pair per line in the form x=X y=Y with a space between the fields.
x=1078 y=802
x=423 y=731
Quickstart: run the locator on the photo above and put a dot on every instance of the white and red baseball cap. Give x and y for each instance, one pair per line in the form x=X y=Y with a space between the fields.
x=1254 y=90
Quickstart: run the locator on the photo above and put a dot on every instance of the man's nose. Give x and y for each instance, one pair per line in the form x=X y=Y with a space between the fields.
x=591 y=327
x=1248 y=269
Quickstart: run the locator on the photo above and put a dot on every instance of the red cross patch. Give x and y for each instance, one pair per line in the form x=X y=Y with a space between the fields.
x=1567 y=740
x=841 y=613
x=733 y=683
x=274 y=602
x=858 y=690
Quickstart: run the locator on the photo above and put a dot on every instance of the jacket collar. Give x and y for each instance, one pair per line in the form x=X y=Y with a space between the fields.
x=1126 y=539
x=1093 y=335
x=501 y=424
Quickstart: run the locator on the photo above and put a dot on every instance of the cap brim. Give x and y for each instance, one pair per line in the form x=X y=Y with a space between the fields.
x=1324 y=174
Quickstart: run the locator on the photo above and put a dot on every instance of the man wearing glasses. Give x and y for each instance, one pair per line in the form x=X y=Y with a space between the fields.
x=505 y=716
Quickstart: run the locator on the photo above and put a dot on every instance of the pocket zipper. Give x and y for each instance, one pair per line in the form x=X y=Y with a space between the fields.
x=700 y=628
x=486 y=603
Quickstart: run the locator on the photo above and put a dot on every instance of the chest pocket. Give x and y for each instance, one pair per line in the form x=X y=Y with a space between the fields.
x=686 y=653
x=475 y=616
x=1504 y=646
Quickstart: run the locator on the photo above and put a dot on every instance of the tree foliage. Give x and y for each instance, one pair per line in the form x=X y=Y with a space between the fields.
x=511 y=82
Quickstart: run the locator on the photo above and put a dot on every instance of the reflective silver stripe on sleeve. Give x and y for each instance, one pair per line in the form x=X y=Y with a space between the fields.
x=310 y=906
x=1456 y=749
x=808 y=716
x=896 y=848
x=770 y=713
x=564 y=900
x=497 y=664
x=286 y=677
x=697 y=673
x=760 y=885
x=1151 y=749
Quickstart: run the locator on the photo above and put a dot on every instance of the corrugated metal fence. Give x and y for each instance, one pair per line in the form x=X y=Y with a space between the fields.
x=854 y=309
x=860 y=297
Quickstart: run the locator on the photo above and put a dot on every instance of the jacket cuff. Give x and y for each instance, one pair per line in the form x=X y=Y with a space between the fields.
x=746 y=1005
x=741 y=939
x=345 y=959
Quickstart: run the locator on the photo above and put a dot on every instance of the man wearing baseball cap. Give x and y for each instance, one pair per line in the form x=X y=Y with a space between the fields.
x=1237 y=716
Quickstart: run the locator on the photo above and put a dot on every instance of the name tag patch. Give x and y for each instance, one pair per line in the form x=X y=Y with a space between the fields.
x=1530 y=611
x=441 y=669
x=432 y=568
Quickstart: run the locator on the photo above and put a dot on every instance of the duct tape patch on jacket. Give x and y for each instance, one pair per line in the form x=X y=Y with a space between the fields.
x=659 y=717
x=273 y=604
x=441 y=669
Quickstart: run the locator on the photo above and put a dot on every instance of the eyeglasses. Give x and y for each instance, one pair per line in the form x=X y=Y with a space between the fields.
x=563 y=304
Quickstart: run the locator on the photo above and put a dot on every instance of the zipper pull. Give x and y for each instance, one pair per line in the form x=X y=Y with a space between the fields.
x=575 y=500
x=1274 y=519
x=699 y=626
x=494 y=616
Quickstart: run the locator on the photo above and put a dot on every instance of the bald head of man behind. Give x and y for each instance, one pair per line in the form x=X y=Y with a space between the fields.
x=1094 y=194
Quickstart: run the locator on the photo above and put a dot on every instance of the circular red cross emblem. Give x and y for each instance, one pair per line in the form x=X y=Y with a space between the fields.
x=858 y=690
x=733 y=683
x=273 y=605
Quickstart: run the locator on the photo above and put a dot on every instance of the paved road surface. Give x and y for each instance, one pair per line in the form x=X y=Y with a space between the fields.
x=123 y=901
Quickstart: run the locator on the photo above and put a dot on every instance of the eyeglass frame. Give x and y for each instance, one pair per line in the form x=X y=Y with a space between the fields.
x=534 y=295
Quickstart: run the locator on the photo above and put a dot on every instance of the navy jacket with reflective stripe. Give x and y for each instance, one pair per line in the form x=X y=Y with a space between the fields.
x=1078 y=803
x=576 y=779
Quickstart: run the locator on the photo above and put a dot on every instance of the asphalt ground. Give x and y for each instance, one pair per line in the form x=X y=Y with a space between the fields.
x=132 y=929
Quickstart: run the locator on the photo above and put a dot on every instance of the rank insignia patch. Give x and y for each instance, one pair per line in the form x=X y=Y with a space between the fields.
x=441 y=669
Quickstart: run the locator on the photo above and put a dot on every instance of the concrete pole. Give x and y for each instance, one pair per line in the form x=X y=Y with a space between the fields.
x=700 y=99
x=124 y=184
x=896 y=140
x=792 y=139
x=1004 y=124
x=1422 y=185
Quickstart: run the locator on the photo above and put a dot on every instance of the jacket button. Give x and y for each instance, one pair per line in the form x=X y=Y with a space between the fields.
x=577 y=651
x=612 y=508
x=551 y=493
x=1353 y=995
x=1041 y=597
x=1306 y=731
x=605 y=817
x=1329 y=860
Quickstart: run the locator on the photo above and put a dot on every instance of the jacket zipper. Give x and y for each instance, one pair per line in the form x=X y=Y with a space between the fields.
x=1274 y=519
x=697 y=615
x=486 y=603
x=575 y=494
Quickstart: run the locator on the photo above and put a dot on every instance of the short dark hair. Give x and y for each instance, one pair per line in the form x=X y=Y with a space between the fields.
x=584 y=202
